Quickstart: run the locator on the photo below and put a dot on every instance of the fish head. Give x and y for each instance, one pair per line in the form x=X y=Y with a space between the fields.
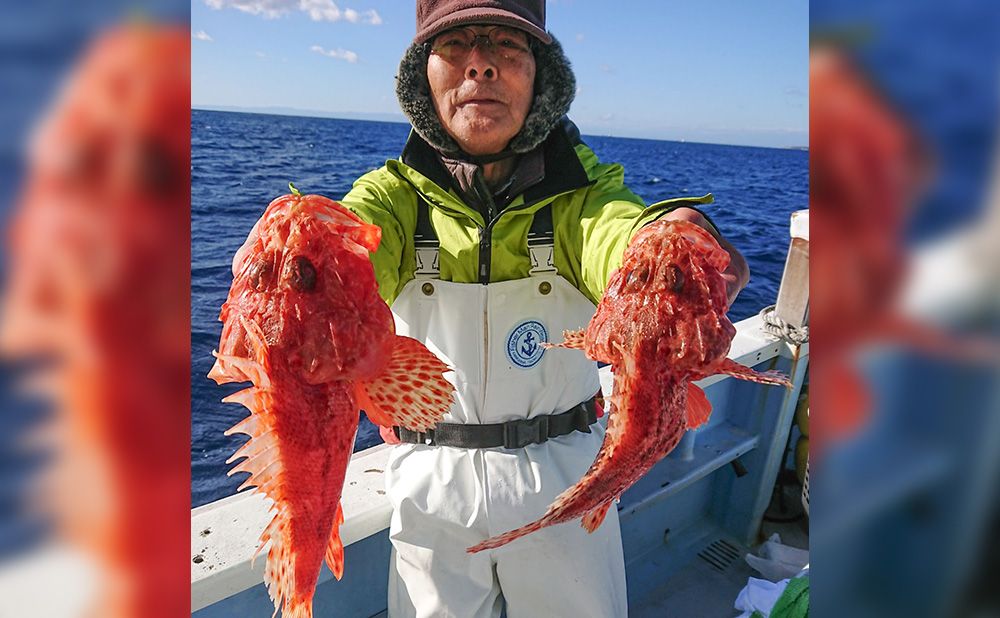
x=669 y=293
x=304 y=293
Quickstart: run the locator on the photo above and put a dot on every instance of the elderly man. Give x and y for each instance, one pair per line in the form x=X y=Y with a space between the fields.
x=500 y=230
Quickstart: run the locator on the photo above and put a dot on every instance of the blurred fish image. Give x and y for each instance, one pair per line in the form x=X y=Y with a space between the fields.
x=98 y=287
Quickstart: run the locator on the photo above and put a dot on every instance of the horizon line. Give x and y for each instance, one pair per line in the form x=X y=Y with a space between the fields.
x=319 y=114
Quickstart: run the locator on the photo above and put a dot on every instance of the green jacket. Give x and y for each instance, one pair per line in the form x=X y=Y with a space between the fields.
x=593 y=217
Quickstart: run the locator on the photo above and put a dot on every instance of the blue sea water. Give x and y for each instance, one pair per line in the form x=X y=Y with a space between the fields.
x=240 y=162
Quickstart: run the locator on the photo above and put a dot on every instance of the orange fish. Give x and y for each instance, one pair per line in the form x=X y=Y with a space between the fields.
x=662 y=324
x=99 y=277
x=304 y=323
x=867 y=168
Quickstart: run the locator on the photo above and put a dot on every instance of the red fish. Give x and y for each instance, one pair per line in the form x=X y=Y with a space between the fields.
x=304 y=323
x=662 y=324
x=98 y=277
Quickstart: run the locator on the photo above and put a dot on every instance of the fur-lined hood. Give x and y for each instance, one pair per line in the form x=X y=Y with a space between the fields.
x=555 y=87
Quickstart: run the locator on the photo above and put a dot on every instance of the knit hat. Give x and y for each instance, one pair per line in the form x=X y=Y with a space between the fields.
x=554 y=90
x=435 y=16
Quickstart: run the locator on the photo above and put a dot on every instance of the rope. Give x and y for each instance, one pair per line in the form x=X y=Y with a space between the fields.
x=776 y=327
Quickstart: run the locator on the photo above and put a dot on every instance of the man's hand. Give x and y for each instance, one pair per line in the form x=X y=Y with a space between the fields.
x=737 y=274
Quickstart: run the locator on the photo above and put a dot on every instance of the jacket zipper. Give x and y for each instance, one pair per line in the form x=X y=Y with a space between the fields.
x=485 y=265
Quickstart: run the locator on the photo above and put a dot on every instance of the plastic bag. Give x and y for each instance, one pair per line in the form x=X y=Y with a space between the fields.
x=776 y=561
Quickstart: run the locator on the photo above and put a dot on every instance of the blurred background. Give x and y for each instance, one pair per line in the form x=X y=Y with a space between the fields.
x=95 y=221
x=904 y=279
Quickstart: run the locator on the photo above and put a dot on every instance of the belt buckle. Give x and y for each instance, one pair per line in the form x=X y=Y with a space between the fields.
x=521 y=433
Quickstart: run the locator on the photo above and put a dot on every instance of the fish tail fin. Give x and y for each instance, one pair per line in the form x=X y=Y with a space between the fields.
x=335 y=548
x=593 y=519
x=572 y=339
x=412 y=392
x=507 y=537
x=698 y=407
x=732 y=368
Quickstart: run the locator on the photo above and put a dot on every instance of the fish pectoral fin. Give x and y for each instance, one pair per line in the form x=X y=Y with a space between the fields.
x=374 y=413
x=732 y=368
x=412 y=392
x=593 y=519
x=572 y=339
x=335 y=547
x=698 y=407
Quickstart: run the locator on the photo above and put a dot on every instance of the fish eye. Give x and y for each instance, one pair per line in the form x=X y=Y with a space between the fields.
x=302 y=274
x=155 y=168
x=636 y=278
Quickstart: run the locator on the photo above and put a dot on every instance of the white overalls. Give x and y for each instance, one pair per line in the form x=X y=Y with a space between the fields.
x=446 y=499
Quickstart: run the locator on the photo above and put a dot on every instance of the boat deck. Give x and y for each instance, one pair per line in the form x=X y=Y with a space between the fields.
x=686 y=525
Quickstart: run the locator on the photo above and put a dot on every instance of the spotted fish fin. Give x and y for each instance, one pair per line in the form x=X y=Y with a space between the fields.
x=375 y=413
x=732 y=368
x=572 y=339
x=698 y=407
x=412 y=392
x=335 y=548
x=592 y=520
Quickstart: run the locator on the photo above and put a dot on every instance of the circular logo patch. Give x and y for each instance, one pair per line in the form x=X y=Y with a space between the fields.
x=524 y=343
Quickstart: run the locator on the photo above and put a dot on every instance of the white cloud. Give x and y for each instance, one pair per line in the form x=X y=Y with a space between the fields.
x=318 y=10
x=579 y=37
x=321 y=10
x=260 y=54
x=341 y=54
x=201 y=35
x=270 y=9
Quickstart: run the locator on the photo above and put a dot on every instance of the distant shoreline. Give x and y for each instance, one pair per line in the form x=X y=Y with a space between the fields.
x=399 y=119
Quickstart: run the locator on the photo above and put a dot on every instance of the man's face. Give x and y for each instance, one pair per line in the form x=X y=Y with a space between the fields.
x=482 y=95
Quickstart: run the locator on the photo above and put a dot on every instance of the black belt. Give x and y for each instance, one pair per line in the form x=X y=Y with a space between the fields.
x=512 y=434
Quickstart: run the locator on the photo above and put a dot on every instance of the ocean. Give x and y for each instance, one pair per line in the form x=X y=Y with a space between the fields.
x=240 y=162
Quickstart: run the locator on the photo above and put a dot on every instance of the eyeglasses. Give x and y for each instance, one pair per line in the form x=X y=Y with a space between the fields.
x=500 y=43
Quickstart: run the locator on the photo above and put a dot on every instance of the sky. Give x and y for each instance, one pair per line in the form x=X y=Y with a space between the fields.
x=716 y=71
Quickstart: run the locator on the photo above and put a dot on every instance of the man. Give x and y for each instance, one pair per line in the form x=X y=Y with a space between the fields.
x=500 y=230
